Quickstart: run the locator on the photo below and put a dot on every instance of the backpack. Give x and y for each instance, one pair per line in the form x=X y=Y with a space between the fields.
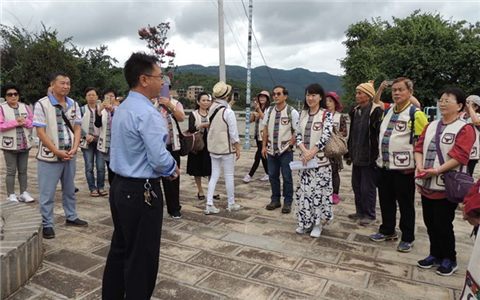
x=413 y=110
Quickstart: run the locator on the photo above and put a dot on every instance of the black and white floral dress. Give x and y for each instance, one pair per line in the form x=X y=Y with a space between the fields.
x=313 y=197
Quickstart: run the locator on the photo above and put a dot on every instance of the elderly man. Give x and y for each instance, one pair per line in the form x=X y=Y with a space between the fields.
x=402 y=122
x=363 y=152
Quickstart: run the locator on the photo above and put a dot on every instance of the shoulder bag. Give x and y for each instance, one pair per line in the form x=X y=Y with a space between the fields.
x=337 y=145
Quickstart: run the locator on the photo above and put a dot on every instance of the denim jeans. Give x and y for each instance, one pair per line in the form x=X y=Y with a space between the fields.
x=275 y=165
x=88 y=155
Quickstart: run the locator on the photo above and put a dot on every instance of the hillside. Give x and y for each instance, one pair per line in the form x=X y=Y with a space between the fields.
x=294 y=80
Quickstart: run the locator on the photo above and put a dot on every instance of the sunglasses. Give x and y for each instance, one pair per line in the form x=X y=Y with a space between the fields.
x=11 y=94
x=277 y=94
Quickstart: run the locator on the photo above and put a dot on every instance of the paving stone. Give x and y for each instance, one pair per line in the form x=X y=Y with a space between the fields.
x=103 y=252
x=366 y=240
x=290 y=296
x=237 y=287
x=210 y=244
x=91 y=229
x=182 y=272
x=72 y=260
x=268 y=258
x=334 y=272
x=234 y=225
x=376 y=265
x=170 y=223
x=339 y=291
x=204 y=230
x=409 y=288
x=289 y=236
x=174 y=236
x=96 y=295
x=98 y=272
x=290 y=280
x=106 y=221
x=177 y=252
x=21 y=294
x=170 y=290
x=76 y=242
x=66 y=284
x=197 y=217
x=222 y=263
x=343 y=245
x=430 y=276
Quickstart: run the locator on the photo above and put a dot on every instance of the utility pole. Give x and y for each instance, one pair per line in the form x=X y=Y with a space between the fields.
x=221 y=42
x=249 y=77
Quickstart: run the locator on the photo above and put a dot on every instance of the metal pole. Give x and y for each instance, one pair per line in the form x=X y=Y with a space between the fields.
x=221 y=42
x=249 y=77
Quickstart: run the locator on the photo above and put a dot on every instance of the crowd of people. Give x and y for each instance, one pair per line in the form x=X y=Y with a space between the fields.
x=391 y=147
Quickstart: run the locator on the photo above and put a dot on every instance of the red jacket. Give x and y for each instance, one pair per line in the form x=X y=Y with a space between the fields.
x=472 y=201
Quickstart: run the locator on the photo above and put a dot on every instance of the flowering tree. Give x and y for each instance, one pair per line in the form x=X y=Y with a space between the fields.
x=156 y=38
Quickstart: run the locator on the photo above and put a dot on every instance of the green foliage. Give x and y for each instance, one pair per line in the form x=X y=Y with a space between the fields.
x=433 y=52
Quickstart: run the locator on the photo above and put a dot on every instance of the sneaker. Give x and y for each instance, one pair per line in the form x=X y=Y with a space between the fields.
x=247 y=178
x=233 y=207
x=429 y=262
x=264 y=178
x=77 y=222
x=405 y=246
x=76 y=190
x=356 y=216
x=273 y=205
x=380 y=237
x=286 y=209
x=300 y=230
x=48 y=233
x=176 y=215
x=211 y=209
x=366 y=221
x=335 y=199
x=447 y=268
x=12 y=198
x=25 y=197
x=316 y=232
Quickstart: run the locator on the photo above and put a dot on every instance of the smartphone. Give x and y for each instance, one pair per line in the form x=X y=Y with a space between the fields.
x=108 y=99
x=390 y=81
x=165 y=91
x=236 y=94
x=421 y=174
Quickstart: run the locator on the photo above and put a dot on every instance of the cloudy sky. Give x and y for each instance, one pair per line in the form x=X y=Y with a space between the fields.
x=291 y=34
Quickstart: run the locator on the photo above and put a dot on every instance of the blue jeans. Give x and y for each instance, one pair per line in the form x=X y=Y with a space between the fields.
x=88 y=155
x=275 y=164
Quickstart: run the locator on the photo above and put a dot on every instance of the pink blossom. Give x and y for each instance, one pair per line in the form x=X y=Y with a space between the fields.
x=176 y=82
x=160 y=51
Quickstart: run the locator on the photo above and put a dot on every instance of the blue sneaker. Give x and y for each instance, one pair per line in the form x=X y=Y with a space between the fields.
x=429 y=262
x=447 y=268
x=380 y=237
x=405 y=246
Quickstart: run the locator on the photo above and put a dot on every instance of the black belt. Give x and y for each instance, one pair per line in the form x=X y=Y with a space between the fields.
x=154 y=180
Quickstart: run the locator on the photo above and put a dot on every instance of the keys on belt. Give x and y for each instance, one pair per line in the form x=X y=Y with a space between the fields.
x=149 y=192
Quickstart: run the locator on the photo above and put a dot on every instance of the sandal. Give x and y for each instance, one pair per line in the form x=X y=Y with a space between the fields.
x=94 y=193
x=102 y=192
x=200 y=197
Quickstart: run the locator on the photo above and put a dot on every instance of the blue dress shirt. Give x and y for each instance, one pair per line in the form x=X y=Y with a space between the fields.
x=137 y=148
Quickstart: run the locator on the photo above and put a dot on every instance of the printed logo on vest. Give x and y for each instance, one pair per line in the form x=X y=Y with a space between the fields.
x=285 y=121
x=47 y=153
x=7 y=142
x=336 y=124
x=317 y=126
x=401 y=159
x=401 y=126
x=474 y=151
x=284 y=144
x=440 y=180
x=448 y=138
x=100 y=142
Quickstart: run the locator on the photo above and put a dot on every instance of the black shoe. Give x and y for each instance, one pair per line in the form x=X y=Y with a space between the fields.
x=48 y=233
x=429 y=262
x=76 y=190
x=200 y=197
x=286 y=209
x=216 y=197
x=77 y=222
x=273 y=205
x=176 y=215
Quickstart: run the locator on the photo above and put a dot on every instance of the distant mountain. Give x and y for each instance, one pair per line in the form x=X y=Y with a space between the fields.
x=295 y=80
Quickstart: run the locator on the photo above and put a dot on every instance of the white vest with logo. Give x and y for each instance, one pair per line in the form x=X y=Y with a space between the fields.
x=9 y=138
x=475 y=153
x=285 y=129
x=51 y=129
x=86 y=124
x=219 y=141
x=400 y=150
x=336 y=120
x=447 y=141
x=315 y=133
x=102 y=138
x=176 y=137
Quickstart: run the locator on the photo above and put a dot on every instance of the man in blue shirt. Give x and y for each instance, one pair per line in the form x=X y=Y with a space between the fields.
x=139 y=159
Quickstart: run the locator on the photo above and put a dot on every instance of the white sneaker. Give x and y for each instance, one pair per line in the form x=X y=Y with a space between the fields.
x=25 y=197
x=12 y=198
x=247 y=178
x=265 y=178
x=300 y=230
x=233 y=207
x=211 y=209
x=317 y=231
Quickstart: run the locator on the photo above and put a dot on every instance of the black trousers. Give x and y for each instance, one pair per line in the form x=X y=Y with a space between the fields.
x=172 y=187
x=111 y=174
x=471 y=166
x=336 y=177
x=438 y=215
x=364 y=183
x=396 y=186
x=132 y=262
x=258 y=157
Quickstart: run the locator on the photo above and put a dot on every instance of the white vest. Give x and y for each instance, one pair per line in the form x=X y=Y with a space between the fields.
x=400 y=151
x=315 y=133
x=447 y=141
x=218 y=140
x=285 y=129
x=102 y=138
x=9 y=137
x=475 y=153
x=336 y=120
x=51 y=129
x=176 y=137
x=86 y=124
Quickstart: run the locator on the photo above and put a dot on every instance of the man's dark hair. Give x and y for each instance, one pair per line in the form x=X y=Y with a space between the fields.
x=458 y=93
x=137 y=65
x=56 y=74
x=89 y=89
x=9 y=86
x=408 y=83
x=315 y=88
x=284 y=89
x=109 y=90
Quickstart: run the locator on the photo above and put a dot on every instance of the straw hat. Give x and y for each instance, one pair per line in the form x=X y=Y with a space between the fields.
x=221 y=90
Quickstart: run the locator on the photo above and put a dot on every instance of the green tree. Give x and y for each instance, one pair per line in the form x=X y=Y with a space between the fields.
x=433 y=52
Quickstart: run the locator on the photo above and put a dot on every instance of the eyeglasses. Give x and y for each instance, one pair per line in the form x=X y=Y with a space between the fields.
x=11 y=94
x=156 y=76
x=277 y=94
x=446 y=101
